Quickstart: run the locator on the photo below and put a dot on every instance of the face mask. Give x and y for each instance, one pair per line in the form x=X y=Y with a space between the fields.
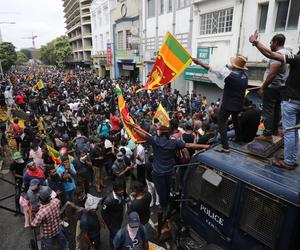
x=20 y=161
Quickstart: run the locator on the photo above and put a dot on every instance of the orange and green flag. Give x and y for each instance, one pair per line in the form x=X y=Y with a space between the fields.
x=171 y=61
x=127 y=120
x=54 y=154
x=162 y=116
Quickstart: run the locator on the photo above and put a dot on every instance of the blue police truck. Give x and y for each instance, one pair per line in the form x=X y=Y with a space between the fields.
x=239 y=201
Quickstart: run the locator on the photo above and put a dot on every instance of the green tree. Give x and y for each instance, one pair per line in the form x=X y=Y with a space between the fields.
x=8 y=55
x=21 y=58
x=27 y=52
x=56 y=52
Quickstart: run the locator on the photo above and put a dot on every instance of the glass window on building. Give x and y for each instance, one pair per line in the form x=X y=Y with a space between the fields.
x=183 y=3
x=99 y=14
x=128 y=34
x=120 y=39
x=170 y=4
x=287 y=14
x=101 y=42
x=162 y=7
x=106 y=15
x=151 y=8
x=216 y=22
x=263 y=16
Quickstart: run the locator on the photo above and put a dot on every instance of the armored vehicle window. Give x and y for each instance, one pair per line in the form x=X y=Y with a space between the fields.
x=261 y=217
x=220 y=198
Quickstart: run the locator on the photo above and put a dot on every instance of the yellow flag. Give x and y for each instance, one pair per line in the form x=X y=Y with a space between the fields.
x=162 y=116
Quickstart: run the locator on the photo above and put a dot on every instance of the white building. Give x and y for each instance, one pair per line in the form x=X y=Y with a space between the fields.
x=222 y=27
x=159 y=17
x=101 y=35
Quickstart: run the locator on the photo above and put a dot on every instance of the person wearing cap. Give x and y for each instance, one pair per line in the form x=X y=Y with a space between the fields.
x=275 y=77
x=90 y=223
x=112 y=209
x=17 y=168
x=32 y=194
x=133 y=235
x=67 y=172
x=32 y=171
x=236 y=82
x=290 y=106
x=48 y=218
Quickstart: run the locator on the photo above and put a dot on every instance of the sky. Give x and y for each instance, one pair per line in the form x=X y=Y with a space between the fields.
x=43 y=18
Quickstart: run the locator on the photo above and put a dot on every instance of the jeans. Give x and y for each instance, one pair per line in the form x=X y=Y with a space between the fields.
x=222 y=123
x=163 y=188
x=291 y=117
x=18 y=189
x=69 y=195
x=271 y=110
x=48 y=243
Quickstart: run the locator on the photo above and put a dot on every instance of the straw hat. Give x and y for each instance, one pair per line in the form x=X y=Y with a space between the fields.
x=239 y=62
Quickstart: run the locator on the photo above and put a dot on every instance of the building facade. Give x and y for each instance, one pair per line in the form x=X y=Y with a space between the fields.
x=125 y=20
x=159 y=17
x=101 y=37
x=78 y=26
x=221 y=29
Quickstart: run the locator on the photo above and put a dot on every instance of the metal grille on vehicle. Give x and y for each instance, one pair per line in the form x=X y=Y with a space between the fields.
x=261 y=217
x=220 y=198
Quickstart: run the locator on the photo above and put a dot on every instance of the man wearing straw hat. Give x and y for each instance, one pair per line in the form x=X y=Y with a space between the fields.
x=236 y=82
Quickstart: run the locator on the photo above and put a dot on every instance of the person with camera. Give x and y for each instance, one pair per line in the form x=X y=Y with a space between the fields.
x=67 y=172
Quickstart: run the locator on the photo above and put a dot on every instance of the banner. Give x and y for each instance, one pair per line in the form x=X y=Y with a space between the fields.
x=127 y=120
x=171 y=61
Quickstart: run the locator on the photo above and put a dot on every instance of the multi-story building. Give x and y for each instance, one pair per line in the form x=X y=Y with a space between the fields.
x=101 y=35
x=221 y=29
x=78 y=25
x=159 y=17
x=126 y=37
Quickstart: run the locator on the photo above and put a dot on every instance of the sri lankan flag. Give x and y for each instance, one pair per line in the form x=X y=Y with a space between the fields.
x=39 y=85
x=171 y=61
x=54 y=154
x=127 y=120
x=162 y=116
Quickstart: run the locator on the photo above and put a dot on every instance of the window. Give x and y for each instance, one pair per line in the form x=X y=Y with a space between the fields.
x=261 y=216
x=220 y=198
x=106 y=16
x=120 y=39
x=128 y=34
x=99 y=13
x=151 y=8
x=287 y=14
x=170 y=4
x=216 y=22
x=183 y=3
x=101 y=42
x=263 y=16
x=162 y=7
x=107 y=37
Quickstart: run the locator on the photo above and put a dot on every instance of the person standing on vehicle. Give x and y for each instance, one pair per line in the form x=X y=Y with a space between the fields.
x=48 y=219
x=236 y=82
x=290 y=104
x=113 y=209
x=274 y=80
x=17 y=168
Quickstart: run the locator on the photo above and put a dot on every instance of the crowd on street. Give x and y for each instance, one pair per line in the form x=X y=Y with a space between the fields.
x=100 y=174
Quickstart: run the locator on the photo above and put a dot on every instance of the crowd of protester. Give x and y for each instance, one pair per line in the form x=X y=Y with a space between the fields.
x=76 y=113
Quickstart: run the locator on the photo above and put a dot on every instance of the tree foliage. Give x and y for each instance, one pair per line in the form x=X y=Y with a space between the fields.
x=27 y=52
x=21 y=58
x=8 y=55
x=56 y=52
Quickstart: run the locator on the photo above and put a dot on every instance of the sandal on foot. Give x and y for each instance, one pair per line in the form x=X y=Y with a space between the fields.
x=281 y=164
x=222 y=150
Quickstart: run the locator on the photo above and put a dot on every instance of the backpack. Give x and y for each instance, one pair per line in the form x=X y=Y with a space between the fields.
x=183 y=155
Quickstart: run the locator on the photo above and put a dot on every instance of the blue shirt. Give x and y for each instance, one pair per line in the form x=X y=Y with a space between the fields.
x=70 y=184
x=164 y=153
x=128 y=243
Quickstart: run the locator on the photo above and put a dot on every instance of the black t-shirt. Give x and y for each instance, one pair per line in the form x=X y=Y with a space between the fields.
x=248 y=124
x=18 y=167
x=142 y=207
x=89 y=222
x=292 y=89
x=95 y=153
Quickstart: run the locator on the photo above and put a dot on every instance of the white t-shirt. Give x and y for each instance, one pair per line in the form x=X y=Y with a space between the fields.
x=140 y=151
